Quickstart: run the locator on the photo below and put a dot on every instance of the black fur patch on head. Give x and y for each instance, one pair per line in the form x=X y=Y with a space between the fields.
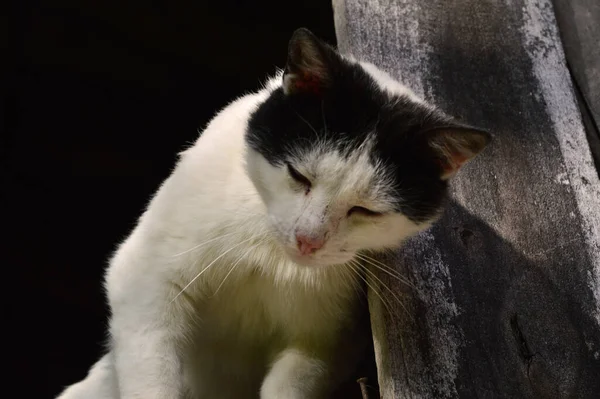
x=343 y=113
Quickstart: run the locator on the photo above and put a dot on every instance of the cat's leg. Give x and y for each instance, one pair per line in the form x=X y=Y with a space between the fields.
x=295 y=375
x=145 y=354
x=100 y=383
x=146 y=331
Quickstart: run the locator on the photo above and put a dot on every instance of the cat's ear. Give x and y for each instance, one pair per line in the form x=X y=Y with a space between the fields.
x=309 y=64
x=453 y=146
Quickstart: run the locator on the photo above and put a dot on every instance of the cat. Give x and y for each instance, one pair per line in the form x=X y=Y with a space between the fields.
x=242 y=278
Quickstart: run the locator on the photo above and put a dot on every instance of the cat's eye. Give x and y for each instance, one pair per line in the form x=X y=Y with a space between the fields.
x=299 y=177
x=359 y=210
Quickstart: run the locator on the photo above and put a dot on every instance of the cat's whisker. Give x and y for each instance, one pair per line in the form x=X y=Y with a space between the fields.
x=366 y=269
x=371 y=285
x=209 y=265
x=377 y=264
x=354 y=266
x=237 y=262
x=203 y=243
x=353 y=282
x=386 y=269
x=234 y=223
x=348 y=278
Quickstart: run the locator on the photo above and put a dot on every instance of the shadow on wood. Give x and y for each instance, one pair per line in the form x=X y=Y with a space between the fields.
x=501 y=324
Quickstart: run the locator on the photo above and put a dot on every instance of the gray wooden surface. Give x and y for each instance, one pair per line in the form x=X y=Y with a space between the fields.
x=505 y=300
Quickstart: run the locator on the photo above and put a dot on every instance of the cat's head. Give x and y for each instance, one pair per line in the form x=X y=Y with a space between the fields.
x=347 y=159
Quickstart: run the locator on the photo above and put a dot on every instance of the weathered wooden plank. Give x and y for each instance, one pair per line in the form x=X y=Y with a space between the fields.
x=506 y=297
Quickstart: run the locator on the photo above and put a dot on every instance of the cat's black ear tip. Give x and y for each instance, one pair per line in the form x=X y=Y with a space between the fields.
x=302 y=33
x=302 y=43
x=479 y=138
x=454 y=145
x=304 y=38
x=485 y=137
x=309 y=62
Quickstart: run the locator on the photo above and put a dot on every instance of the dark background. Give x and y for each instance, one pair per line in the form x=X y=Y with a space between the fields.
x=103 y=95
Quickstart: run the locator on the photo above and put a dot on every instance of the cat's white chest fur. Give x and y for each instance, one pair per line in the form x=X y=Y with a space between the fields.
x=256 y=310
x=249 y=322
x=256 y=305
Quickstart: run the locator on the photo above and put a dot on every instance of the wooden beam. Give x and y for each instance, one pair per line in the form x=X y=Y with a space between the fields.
x=503 y=298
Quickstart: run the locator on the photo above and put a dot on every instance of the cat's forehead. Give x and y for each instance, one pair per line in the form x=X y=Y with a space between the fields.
x=349 y=172
x=352 y=109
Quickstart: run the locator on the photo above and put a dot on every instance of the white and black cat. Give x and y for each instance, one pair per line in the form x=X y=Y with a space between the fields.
x=240 y=279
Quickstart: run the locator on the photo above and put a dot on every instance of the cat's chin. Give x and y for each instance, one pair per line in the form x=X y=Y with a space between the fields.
x=305 y=261
x=317 y=261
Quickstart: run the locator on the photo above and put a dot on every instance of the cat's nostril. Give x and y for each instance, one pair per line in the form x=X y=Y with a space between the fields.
x=308 y=245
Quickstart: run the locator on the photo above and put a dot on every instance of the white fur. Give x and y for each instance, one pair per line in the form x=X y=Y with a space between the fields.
x=302 y=376
x=254 y=316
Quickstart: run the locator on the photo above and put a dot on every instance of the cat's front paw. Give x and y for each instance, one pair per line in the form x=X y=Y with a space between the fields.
x=294 y=376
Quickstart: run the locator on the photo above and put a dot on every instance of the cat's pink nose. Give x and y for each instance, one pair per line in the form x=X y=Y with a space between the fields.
x=308 y=245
